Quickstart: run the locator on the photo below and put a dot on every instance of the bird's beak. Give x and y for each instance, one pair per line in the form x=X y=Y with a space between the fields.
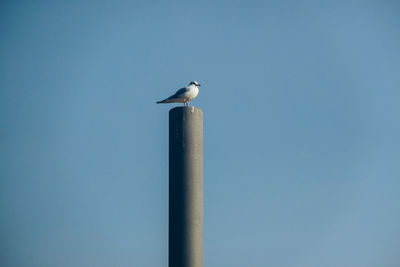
x=199 y=85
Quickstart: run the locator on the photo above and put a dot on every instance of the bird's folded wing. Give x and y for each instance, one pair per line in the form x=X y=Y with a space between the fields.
x=180 y=92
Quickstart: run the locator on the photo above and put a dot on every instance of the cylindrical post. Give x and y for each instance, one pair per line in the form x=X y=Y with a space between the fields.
x=185 y=187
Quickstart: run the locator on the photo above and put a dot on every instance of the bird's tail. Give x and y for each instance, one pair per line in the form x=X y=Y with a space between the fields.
x=168 y=100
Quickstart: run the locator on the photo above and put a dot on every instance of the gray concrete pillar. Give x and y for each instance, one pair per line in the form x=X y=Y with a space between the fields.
x=185 y=187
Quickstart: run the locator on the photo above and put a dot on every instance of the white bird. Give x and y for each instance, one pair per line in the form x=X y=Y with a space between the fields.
x=183 y=95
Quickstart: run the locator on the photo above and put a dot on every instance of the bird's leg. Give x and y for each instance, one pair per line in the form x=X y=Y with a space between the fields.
x=185 y=103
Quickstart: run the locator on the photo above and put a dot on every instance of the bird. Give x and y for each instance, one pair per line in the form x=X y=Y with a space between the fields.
x=183 y=95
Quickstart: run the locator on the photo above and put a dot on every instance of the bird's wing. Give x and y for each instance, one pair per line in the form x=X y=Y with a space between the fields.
x=181 y=91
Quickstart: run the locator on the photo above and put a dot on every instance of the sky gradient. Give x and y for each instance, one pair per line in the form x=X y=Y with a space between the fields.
x=301 y=131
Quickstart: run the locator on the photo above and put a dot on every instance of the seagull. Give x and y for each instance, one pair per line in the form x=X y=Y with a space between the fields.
x=183 y=95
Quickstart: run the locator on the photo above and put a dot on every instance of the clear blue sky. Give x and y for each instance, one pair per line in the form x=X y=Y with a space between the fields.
x=301 y=131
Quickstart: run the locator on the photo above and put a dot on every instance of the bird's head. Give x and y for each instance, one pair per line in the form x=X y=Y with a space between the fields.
x=194 y=83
